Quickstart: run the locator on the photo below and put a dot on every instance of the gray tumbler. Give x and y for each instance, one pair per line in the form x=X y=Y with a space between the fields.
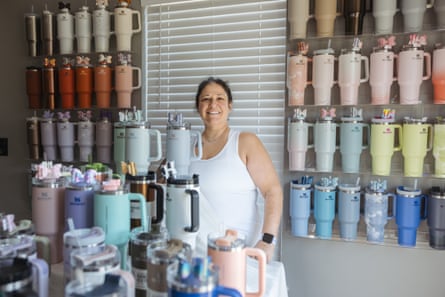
x=436 y=218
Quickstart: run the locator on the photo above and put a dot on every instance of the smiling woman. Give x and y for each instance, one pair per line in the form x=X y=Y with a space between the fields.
x=234 y=167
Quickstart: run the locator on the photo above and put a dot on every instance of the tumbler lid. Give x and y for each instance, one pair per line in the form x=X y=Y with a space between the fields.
x=84 y=237
x=228 y=242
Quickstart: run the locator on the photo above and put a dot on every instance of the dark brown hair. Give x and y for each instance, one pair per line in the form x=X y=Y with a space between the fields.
x=210 y=80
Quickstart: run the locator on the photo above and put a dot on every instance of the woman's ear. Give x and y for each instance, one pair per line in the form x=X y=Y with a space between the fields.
x=230 y=106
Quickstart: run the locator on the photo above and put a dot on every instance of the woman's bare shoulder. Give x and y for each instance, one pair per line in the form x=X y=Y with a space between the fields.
x=249 y=141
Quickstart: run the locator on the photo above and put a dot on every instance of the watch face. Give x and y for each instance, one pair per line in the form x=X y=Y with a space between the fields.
x=268 y=238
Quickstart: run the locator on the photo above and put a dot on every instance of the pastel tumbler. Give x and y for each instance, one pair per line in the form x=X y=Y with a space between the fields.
x=383 y=145
x=353 y=133
x=325 y=132
x=323 y=75
x=300 y=207
x=410 y=73
x=325 y=14
x=297 y=72
x=439 y=148
x=417 y=141
x=324 y=210
x=298 y=143
x=349 y=75
x=413 y=12
x=377 y=214
x=381 y=75
x=297 y=16
x=348 y=210
x=384 y=12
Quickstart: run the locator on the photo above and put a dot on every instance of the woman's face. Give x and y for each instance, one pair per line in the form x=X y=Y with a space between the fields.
x=214 y=104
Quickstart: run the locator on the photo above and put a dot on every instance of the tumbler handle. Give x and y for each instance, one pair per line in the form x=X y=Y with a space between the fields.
x=194 y=200
x=143 y=207
x=196 y=155
x=261 y=257
x=159 y=202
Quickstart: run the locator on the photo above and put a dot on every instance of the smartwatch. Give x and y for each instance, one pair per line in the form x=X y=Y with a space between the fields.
x=269 y=238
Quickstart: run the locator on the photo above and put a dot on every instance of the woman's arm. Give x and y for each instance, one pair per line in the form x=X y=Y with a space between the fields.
x=263 y=173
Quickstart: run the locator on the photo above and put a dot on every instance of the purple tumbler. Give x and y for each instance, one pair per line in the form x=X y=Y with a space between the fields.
x=79 y=205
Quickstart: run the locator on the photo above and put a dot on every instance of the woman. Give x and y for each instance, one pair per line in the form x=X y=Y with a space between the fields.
x=234 y=167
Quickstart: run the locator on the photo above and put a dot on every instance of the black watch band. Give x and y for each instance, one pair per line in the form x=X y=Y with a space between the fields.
x=268 y=238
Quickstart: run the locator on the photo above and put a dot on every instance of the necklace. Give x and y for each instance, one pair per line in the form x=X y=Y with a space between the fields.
x=215 y=139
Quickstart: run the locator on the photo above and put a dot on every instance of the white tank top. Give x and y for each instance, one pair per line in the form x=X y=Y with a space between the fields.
x=225 y=182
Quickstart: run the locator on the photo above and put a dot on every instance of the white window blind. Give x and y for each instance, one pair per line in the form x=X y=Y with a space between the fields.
x=240 y=41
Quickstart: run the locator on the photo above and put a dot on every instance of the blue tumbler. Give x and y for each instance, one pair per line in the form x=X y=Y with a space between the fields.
x=324 y=210
x=348 y=210
x=300 y=207
x=409 y=212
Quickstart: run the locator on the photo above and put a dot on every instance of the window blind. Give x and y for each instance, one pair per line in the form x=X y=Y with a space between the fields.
x=241 y=42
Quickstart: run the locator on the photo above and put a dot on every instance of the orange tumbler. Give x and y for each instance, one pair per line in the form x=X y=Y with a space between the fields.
x=84 y=86
x=67 y=86
x=34 y=87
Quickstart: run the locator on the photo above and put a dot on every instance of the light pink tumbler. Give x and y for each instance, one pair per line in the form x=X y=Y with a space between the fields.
x=230 y=254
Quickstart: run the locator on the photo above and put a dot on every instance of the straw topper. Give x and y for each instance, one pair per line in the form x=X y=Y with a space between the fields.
x=82 y=61
x=386 y=43
x=357 y=44
x=64 y=116
x=104 y=59
x=84 y=116
x=299 y=114
x=416 y=40
x=327 y=114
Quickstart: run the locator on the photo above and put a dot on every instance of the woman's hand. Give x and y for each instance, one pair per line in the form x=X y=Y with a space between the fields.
x=268 y=249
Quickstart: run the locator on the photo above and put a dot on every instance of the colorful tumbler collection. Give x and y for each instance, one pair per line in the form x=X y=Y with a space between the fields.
x=383 y=136
x=325 y=13
x=410 y=67
x=79 y=83
x=83 y=27
x=86 y=214
x=408 y=206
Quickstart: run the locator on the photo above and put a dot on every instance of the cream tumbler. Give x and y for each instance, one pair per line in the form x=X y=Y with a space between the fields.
x=323 y=75
x=123 y=26
x=297 y=16
x=325 y=14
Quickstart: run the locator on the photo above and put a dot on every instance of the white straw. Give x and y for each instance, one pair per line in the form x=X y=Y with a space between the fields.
x=70 y=223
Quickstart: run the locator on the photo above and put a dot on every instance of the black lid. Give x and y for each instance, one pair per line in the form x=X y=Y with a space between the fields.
x=12 y=270
x=151 y=176
x=184 y=180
